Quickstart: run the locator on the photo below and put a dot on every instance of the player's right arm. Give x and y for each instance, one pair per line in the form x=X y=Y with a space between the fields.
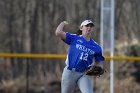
x=59 y=30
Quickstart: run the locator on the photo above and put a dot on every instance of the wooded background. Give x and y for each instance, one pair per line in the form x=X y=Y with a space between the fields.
x=28 y=26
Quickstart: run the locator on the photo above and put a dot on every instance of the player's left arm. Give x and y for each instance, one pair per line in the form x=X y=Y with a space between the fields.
x=99 y=64
x=99 y=58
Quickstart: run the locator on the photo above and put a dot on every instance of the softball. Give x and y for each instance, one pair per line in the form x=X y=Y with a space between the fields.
x=65 y=22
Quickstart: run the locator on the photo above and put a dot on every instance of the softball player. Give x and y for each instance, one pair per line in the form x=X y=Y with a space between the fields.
x=82 y=54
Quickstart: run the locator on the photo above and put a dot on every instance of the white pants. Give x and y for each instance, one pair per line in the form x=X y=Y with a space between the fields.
x=71 y=78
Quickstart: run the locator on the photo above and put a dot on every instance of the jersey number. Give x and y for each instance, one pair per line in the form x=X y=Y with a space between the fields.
x=84 y=56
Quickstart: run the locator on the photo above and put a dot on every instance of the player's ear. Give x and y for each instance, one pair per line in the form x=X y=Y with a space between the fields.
x=81 y=28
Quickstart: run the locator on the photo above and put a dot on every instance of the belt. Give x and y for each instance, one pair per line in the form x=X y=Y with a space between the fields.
x=74 y=69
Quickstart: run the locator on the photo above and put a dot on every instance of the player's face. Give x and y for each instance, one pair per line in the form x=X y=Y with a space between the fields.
x=87 y=29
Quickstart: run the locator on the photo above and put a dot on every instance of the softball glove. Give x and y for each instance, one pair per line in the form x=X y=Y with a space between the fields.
x=95 y=71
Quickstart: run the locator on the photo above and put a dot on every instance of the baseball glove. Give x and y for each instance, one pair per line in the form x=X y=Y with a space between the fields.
x=95 y=71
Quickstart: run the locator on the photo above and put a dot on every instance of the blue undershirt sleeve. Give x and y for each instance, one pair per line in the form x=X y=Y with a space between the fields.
x=99 y=57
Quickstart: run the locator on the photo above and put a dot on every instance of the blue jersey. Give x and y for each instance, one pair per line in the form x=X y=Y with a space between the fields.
x=82 y=53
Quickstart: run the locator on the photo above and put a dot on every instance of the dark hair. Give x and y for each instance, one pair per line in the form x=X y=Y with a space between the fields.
x=79 y=32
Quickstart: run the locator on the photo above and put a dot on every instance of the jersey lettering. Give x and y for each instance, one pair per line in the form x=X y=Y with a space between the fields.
x=83 y=48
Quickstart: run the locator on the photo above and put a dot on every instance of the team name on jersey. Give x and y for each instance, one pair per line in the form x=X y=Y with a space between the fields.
x=83 y=48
